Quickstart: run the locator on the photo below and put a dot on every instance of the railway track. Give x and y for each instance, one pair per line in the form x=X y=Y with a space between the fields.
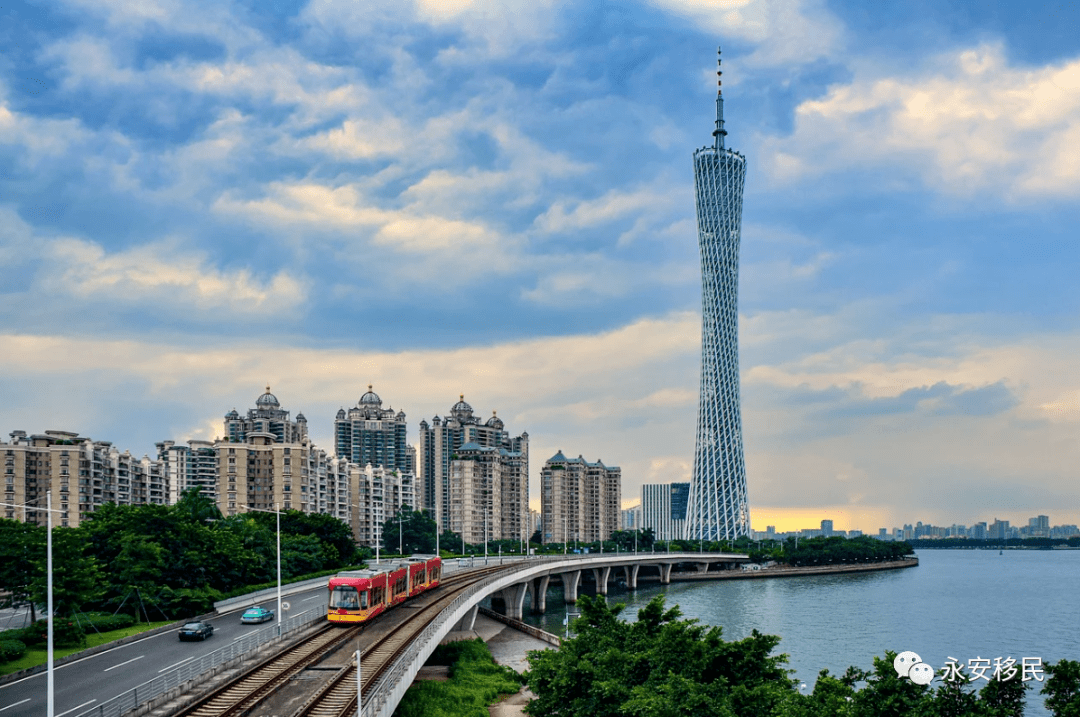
x=244 y=692
x=337 y=698
x=259 y=682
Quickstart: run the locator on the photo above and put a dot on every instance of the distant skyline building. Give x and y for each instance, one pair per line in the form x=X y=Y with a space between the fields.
x=663 y=508
x=718 y=506
x=369 y=434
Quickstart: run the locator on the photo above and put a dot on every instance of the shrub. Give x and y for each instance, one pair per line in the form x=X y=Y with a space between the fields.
x=66 y=633
x=11 y=649
x=103 y=622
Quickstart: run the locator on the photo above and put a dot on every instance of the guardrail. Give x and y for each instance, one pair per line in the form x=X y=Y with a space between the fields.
x=178 y=676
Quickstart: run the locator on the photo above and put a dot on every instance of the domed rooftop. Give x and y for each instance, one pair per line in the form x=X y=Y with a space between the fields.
x=267 y=400
x=301 y=418
x=232 y=415
x=494 y=421
x=341 y=414
x=370 y=398
x=461 y=406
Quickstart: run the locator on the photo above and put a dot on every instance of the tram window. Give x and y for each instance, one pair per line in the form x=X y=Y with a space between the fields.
x=344 y=597
x=364 y=600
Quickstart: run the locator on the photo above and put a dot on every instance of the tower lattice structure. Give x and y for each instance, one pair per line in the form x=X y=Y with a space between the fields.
x=718 y=508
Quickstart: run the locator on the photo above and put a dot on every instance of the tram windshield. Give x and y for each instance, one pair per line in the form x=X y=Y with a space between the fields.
x=348 y=598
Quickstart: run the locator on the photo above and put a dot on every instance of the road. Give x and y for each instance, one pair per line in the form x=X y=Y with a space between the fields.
x=84 y=683
x=87 y=682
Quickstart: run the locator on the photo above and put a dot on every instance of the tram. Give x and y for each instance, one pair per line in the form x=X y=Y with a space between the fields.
x=360 y=595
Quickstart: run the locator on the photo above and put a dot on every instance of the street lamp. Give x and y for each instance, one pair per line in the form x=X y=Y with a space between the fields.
x=50 y=678
x=276 y=512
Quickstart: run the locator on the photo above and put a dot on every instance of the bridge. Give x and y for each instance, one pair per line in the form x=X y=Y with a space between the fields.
x=530 y=577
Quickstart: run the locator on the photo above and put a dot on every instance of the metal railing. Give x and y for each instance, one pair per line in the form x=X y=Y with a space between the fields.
x=196 y=668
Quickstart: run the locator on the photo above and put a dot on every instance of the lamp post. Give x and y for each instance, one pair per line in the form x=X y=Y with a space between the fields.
x=359 y=704
x=276 y=512
x=50 y=700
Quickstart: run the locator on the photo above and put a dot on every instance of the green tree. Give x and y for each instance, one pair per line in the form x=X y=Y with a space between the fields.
x=22 y=550
x=417 y=531
x=1003 y=698
x=77 y=578
x=1062 y=688
x=656 y=667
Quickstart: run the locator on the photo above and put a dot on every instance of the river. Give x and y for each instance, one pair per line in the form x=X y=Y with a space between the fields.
x=964 y=604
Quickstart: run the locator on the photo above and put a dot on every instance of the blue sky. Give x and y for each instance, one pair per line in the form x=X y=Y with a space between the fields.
x=496 y=199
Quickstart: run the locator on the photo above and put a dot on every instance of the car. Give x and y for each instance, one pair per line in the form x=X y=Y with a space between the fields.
x=256 y=614
x=197 y=630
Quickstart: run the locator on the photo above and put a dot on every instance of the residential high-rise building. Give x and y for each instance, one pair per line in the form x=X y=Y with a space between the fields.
x=192 y=466
x=718 y=507
x=266 y=417
x=579 y=500
x=826 y=528
x=630 y=518
x=438 y=446
x=368 y=434
x=489 y=497
x=81 y=474
x=663 y=508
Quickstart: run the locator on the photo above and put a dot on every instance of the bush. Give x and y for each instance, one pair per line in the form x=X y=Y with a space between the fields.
x=103 y=622
x=11 y=649
x=475 y=682
x=66 y=633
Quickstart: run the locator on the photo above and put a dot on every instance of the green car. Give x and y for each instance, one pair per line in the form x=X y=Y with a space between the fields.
x=256 y=614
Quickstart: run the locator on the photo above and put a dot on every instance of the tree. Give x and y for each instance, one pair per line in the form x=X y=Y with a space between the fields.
x=656 y=667
x=417 y=531
x=77 y=579
x=22 y=550
x=1063 y=688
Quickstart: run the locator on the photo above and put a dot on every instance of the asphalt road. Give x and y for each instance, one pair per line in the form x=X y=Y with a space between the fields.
x=85 y=683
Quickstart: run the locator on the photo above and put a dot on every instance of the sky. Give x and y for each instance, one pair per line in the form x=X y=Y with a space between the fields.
x=495 y=199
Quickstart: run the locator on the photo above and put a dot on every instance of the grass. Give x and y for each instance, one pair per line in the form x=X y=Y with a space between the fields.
x=39 y=656
x=475 y=682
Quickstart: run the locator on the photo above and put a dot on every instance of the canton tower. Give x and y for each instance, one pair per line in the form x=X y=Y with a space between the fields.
x=718 y=508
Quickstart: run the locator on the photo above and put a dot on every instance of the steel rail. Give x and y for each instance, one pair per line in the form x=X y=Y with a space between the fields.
x=337 y=698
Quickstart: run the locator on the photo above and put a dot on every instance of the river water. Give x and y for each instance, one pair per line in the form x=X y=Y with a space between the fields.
x=964 y=604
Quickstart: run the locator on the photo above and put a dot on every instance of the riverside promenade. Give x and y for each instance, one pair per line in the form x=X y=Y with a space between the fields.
x=785 y=571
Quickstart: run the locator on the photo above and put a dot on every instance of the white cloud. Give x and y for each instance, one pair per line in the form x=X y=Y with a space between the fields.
x=785 y=31
x=971 y=123
x=164 y=274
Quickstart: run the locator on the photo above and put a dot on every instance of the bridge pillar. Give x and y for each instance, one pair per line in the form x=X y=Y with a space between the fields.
x=514 y=598
x=702 y=567
x=570 y=582
x=468 y=621
x=665 y=573
x=538 y=594
x=600 y=575
x=631 y=575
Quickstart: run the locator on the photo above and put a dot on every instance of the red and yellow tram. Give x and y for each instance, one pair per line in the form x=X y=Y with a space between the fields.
x=359 y=595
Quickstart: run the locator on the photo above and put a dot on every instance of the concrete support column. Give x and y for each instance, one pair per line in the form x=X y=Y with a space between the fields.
x=702 y=567
x=631 y=575
x=514 y=599
x=601 y=577
x=570 y=582
x=538 y=594
x=466 y=623
x=665 y=573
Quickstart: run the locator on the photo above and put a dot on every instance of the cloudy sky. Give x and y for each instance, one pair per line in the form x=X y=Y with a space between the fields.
x=496 y=199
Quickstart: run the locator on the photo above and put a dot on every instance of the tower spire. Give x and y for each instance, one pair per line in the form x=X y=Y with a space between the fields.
x=719 y=133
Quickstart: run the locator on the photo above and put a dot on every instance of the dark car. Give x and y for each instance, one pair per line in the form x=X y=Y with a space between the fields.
x=196 y=631
x=256 y=614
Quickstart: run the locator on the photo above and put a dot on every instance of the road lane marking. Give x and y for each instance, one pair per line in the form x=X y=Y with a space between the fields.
x=122 y=664
x=84 y=704
x=313 y=597
x=177 y=664
x=14 y=704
